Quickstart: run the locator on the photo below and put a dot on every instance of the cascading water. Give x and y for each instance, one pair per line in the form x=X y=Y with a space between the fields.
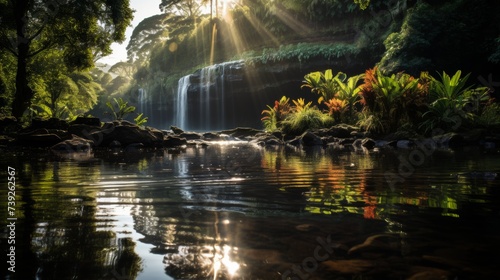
x=145 y=104
x=181 y=110
x=205 y=92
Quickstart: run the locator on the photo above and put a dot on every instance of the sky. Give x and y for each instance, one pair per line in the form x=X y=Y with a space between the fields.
x=143 y=9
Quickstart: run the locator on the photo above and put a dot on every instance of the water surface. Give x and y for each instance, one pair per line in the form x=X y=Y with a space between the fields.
x=233 y=210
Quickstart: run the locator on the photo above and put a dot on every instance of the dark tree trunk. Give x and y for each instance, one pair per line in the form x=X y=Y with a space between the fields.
x=24 y=93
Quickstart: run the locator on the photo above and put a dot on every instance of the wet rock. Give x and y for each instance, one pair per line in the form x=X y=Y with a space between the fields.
x=176 y=130
x=310 y=139
x=348 y=266
x=127 y=133
x=378 y=243
x=174 y=141
x=428 y=273
x=294 y=142
x=191 y=135
x=210 y=136
x=307 y=228
x=368 y=143
x=341 y=131
x=89 y=121
x=134 y=147
x=242 y=132
x=74 y=145
x=83 y=130
x=404 y=144
x=115 y=144
x=450 y=140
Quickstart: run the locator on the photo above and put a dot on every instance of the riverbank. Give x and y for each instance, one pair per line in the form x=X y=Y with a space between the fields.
x=85 y=134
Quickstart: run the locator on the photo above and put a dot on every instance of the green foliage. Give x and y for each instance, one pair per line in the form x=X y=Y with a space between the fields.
x=387 y=100
x=453 y=104
x=338 y=92
x=445 y=35
x=274 y=116
x=304 y=52
x=307 y=118
x=122 y=108
x=140 y=119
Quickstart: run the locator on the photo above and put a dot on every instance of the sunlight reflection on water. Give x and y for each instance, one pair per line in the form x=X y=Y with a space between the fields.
x=238 y=211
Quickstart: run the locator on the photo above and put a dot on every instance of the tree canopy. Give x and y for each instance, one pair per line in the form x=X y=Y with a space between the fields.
x=82 y=30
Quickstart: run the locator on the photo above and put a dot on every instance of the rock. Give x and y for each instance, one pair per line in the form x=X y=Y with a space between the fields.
x=134 y=147
x=176 y=130
x=127 y=133
x=190 y=135
x=242 y=132
x=90 y=121
x=210 y=136
x=74 y=145
x=341 y=131
x=348 y=266
x=368 y=143
x=310 y=139
x=404 y=144
x=173 y=141
x=115 y=144
x=379 y=242
x=294 y=142
x=83 y=130
x=450 y=140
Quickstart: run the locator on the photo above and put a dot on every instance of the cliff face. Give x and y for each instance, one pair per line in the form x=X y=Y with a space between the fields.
x=233 y=94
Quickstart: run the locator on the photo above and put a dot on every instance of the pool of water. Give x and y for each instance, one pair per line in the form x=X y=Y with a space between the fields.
x=233 y=210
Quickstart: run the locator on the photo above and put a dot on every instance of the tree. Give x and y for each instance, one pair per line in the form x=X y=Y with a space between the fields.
x=148 y=33
x=83 y=29
x=188 y=8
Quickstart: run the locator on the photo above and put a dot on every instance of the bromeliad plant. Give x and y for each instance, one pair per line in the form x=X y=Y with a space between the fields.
x=388 y=100
x=273 y=116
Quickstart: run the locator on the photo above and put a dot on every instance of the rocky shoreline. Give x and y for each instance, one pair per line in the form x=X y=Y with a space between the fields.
x=85 y=134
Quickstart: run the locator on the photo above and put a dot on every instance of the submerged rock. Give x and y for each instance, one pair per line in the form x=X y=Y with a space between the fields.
x=310 y=139
x=74 y=145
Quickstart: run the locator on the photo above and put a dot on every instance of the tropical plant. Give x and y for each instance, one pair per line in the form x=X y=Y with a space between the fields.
x=275 y=115
x=448 y=98
x=348 y=93
x=122 y=109
x=301 y=105
x=305 y=119
x=387 y=100
x=140 y=119
x=324 y=84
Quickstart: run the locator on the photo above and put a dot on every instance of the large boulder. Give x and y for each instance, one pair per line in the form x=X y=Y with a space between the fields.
x=242 y=132
x=74 y=145
x=38 y=138
x=126 y=133
x=91 y=121
x=310 y=139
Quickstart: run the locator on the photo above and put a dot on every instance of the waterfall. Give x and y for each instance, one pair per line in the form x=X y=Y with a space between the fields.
x=205 y=91
x=181 y=111
x=145 y=104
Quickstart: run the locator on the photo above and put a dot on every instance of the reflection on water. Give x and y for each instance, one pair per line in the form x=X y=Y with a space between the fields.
x=237 y=211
